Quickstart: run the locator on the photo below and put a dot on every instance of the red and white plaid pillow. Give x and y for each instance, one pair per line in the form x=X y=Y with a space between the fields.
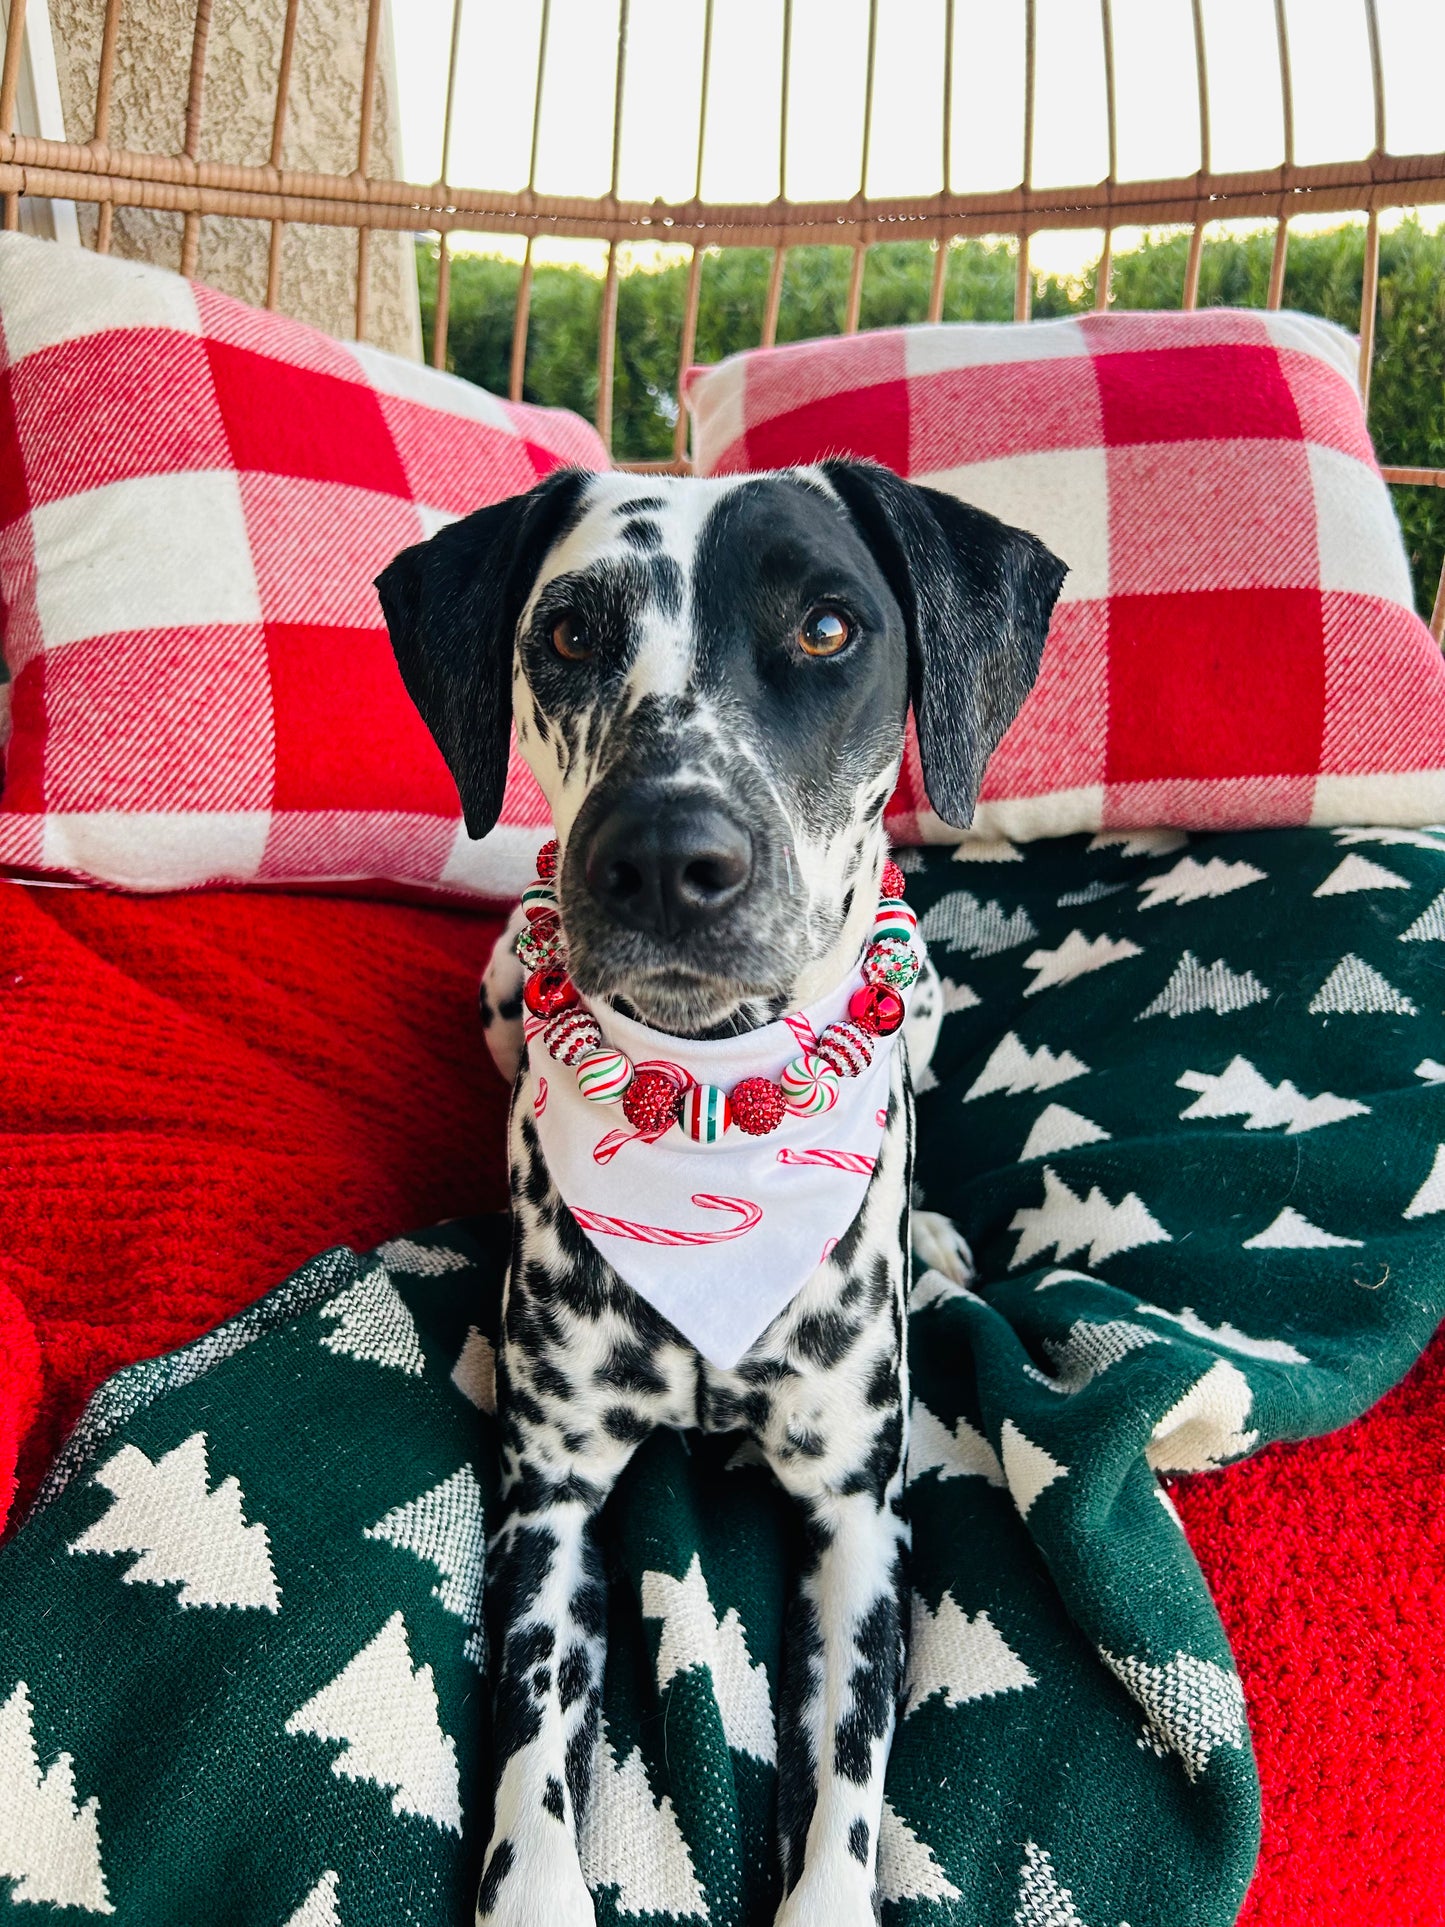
x=1235 y=644
x=194 y=500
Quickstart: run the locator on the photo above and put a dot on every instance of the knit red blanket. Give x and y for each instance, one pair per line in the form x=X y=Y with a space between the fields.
x=197 y=1093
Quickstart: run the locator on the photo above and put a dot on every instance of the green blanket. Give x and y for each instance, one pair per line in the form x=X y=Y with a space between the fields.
x=1187 y=1113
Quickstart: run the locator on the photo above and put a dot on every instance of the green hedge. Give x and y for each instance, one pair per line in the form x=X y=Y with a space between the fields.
x=1407 y=395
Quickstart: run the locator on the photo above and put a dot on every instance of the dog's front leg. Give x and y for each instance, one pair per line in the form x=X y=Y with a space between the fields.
x=548 y=1597
x=847 y=1661
x=837 y=1439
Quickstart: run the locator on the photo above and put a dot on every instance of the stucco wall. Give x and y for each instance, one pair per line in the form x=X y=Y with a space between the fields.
x=318 y=273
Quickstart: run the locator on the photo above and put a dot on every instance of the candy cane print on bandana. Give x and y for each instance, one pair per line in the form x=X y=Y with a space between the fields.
x=643 y=1189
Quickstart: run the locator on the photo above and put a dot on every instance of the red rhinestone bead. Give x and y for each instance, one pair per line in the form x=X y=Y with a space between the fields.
x=758 y=1106
x=877 y=1010
x=547 y=861
x=548 y=991
x=651 y=1103
x=893 y=881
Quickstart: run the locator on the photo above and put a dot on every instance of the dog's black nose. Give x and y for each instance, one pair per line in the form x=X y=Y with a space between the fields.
x=669 y=865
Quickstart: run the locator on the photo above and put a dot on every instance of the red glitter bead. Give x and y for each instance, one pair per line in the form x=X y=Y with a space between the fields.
x=893 y=882
x=877 y=1010
x=548 y=991
x=651 y=1103
x=758 y=1106
x=547 y=861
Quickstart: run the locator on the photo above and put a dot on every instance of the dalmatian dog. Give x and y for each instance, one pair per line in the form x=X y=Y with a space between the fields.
x=710 y=681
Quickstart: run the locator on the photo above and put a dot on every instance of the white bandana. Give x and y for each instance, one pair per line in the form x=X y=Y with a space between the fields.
x=717 y=1237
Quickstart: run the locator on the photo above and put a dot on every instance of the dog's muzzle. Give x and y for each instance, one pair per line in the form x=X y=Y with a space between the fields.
x=666 y=863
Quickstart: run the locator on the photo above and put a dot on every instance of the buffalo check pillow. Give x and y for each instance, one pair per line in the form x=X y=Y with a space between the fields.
x=194 y=500
x=1235 y=644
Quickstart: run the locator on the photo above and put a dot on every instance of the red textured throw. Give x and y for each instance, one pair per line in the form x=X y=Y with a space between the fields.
x=196 y=1094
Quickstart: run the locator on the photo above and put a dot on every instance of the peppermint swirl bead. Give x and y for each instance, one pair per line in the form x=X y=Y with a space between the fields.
x=570 y=1035
x=809 y=1085
x=539 y=900
x=896 y=920
x=547 y=860
x=706 y=1113
x=603 y=1075
x=539 y=945
x=847 y=1048
x=891 y=965
x=758 y=1106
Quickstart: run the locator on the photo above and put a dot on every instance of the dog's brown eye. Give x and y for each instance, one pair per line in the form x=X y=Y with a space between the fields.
x=571 y=640
x=823 y=632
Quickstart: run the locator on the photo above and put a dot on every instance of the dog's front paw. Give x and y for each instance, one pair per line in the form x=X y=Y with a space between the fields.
x=545 y=1890
x=833 y=1896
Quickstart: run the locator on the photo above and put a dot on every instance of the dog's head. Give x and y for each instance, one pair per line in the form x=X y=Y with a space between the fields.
x=710 y=681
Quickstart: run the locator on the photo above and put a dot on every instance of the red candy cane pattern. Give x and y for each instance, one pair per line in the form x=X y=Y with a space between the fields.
x=539 y=1102
x=857 y=1161
x=798 y=1024
x=750 y=1215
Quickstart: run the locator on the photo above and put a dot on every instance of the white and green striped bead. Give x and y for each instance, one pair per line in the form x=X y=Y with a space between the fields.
x=705 y=1113
x=603 y=1075
x=895 y=919
x=539 y=900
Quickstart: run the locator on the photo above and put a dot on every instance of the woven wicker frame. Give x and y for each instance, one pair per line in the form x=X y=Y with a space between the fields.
x=94 y=172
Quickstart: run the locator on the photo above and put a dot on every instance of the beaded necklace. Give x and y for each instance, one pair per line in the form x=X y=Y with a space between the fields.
x=655 y=1097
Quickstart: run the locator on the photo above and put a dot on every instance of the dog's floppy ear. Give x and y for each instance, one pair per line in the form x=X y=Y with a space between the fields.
x=976 y=595
x=451 y=606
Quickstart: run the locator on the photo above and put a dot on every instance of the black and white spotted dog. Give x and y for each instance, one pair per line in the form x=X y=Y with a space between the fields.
x=710 y=680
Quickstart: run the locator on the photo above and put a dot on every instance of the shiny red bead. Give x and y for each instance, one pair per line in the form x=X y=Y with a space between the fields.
x=758 y=1106
x=547 y=860
x=892 y=880
x=548 y=991
x=652 y=1102
x=876 y=1009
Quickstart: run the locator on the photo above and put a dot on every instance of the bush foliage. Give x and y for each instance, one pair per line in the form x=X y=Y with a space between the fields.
x=1323 y=276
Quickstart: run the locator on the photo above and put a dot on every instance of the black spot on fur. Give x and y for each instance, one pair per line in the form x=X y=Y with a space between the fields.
x=574 y=1675
x=629 y=1367
x=552 y=1798
x=858 y=1841
x=622 y=1422
x=882 y=1459
x=528 y=1647
x=547 y=1378
x=874 y=1685
x=520 y=1567
x=797 y=1785
x=641 y=534
x=579 y=1752
x=883 y=1381
x=516 y=1720
x=541 y=1683
x=823 y=1337
x=498 y=1867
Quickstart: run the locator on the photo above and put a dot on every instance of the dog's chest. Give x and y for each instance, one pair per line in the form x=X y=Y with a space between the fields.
x=592 y=1361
